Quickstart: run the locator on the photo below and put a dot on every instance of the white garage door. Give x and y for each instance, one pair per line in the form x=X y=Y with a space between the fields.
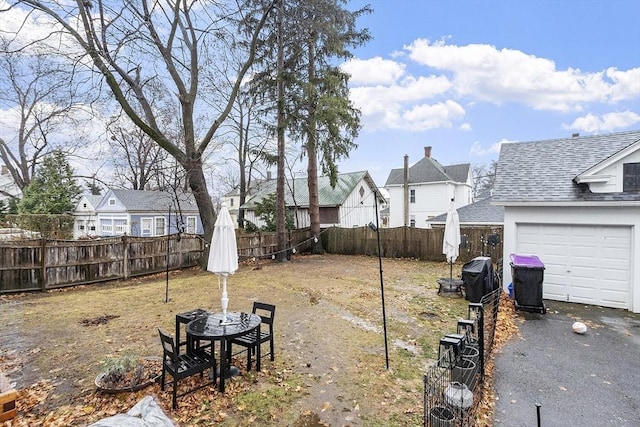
x=588 y=264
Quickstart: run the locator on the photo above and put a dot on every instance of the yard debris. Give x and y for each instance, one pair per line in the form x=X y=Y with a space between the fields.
x=100 y=320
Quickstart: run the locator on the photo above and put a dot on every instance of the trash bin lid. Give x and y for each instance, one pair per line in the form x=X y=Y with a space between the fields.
x=527 y=261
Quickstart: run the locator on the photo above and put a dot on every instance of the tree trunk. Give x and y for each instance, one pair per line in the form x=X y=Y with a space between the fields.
x=312 y=153
x=198 y=185
x=281 y=229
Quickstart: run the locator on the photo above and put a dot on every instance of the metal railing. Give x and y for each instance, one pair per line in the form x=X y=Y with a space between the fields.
x=453 y=386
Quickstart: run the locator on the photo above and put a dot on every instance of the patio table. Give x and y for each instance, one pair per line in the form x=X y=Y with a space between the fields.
x=212 y=328
x=184 y=319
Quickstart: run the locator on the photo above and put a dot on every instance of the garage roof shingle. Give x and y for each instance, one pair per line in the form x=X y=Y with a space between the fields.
x=544 y=171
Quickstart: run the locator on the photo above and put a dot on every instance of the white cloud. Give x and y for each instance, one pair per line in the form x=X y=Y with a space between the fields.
x=373 y=71
x=424 y=117
x=477 y=149
x=383 y=107
x=507 y=75
x=465 y=127
x=604 y=123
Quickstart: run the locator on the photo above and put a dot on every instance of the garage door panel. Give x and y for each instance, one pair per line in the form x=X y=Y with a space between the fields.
x=614 y=299
x=584 y=273
x=587 y=264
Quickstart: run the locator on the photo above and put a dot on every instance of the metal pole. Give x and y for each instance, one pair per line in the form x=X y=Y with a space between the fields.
x=538 y=405
x=166 y=288
x=384 y=316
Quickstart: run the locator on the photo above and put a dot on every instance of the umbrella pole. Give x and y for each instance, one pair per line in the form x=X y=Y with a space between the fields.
x=225 y=299
x=451 y=271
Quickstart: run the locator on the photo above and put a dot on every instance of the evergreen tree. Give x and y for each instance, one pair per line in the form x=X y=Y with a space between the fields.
x=266 y=210
x=316 y=109
x=53 y=190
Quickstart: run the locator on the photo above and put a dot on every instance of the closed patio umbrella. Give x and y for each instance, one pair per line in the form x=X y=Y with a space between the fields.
x=451 y=241
x=223 y=253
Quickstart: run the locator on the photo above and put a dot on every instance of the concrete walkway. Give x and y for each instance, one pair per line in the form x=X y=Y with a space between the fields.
x=579 y=380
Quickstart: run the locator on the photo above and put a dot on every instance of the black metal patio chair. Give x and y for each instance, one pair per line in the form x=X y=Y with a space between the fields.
x=181 y=366
x=251 y=340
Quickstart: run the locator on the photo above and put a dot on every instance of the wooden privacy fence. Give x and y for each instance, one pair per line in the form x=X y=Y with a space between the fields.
x=42 y=264
x=408 y=242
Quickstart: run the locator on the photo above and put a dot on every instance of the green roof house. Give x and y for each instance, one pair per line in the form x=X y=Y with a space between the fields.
x=350 y=204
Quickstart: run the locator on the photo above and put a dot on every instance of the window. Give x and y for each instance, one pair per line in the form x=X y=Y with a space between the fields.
x=159 y=226
x=412 y=196
x=412 y=221
x=631 y=177
x=106 y=225
x=231 y=202
x=81 y=225
x=146 y=225
x=191 y=224
x=121 y=226
x=112 y=202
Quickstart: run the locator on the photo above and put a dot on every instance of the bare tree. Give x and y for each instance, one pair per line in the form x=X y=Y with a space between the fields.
x=484 y=178
x=38 y=100
x=171 y=44
x=137 y=160
x=252 y=145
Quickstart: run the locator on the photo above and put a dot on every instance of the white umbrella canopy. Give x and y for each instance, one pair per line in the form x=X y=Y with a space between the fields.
x=451 y=241
x=223 y=252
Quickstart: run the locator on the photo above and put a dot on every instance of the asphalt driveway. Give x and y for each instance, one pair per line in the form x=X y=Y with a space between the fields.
x=579 y=380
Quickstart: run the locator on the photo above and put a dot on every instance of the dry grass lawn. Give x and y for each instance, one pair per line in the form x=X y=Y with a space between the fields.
x=330 y=354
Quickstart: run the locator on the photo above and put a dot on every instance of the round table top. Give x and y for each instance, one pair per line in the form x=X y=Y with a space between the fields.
x=212 y=327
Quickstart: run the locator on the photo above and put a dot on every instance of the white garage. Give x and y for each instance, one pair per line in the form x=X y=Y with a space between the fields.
x=575 y=203
x=583 y=263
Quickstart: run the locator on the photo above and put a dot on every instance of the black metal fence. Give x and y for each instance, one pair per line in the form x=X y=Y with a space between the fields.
x=453 y=386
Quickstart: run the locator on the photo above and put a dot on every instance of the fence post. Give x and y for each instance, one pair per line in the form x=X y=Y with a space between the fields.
x=478 y=310
x=43 y=263
x=125 y=257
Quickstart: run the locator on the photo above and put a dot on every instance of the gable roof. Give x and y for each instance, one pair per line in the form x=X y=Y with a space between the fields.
x=480 y=212
x=428 y=170
x=93 y=199
x=546 y=171
x=152 y=201
x=297 y=190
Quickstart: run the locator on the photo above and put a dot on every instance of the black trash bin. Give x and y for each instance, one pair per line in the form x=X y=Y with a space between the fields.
x=527 y=275
x=477 y=276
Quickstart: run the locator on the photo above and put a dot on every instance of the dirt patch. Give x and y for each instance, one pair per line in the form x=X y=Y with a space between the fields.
x=100 y=320
x=330 y=347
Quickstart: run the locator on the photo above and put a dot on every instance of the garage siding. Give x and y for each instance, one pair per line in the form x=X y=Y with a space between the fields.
x=587 y=264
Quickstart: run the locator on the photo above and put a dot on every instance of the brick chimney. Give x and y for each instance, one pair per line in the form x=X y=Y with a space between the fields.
x=427 y=151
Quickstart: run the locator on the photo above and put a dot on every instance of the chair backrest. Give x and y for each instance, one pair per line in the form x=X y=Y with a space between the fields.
x=266 y=312
x=168 y=346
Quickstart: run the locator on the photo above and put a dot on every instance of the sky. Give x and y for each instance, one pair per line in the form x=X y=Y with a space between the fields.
x=466 y=76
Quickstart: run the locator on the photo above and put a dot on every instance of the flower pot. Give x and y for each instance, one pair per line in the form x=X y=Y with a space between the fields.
x=439 y=416
x=148 y=380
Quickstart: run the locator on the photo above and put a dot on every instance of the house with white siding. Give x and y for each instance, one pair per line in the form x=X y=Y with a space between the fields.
x=139 y=213
x=424 y=190
x=86 y=217
x=351 y=203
